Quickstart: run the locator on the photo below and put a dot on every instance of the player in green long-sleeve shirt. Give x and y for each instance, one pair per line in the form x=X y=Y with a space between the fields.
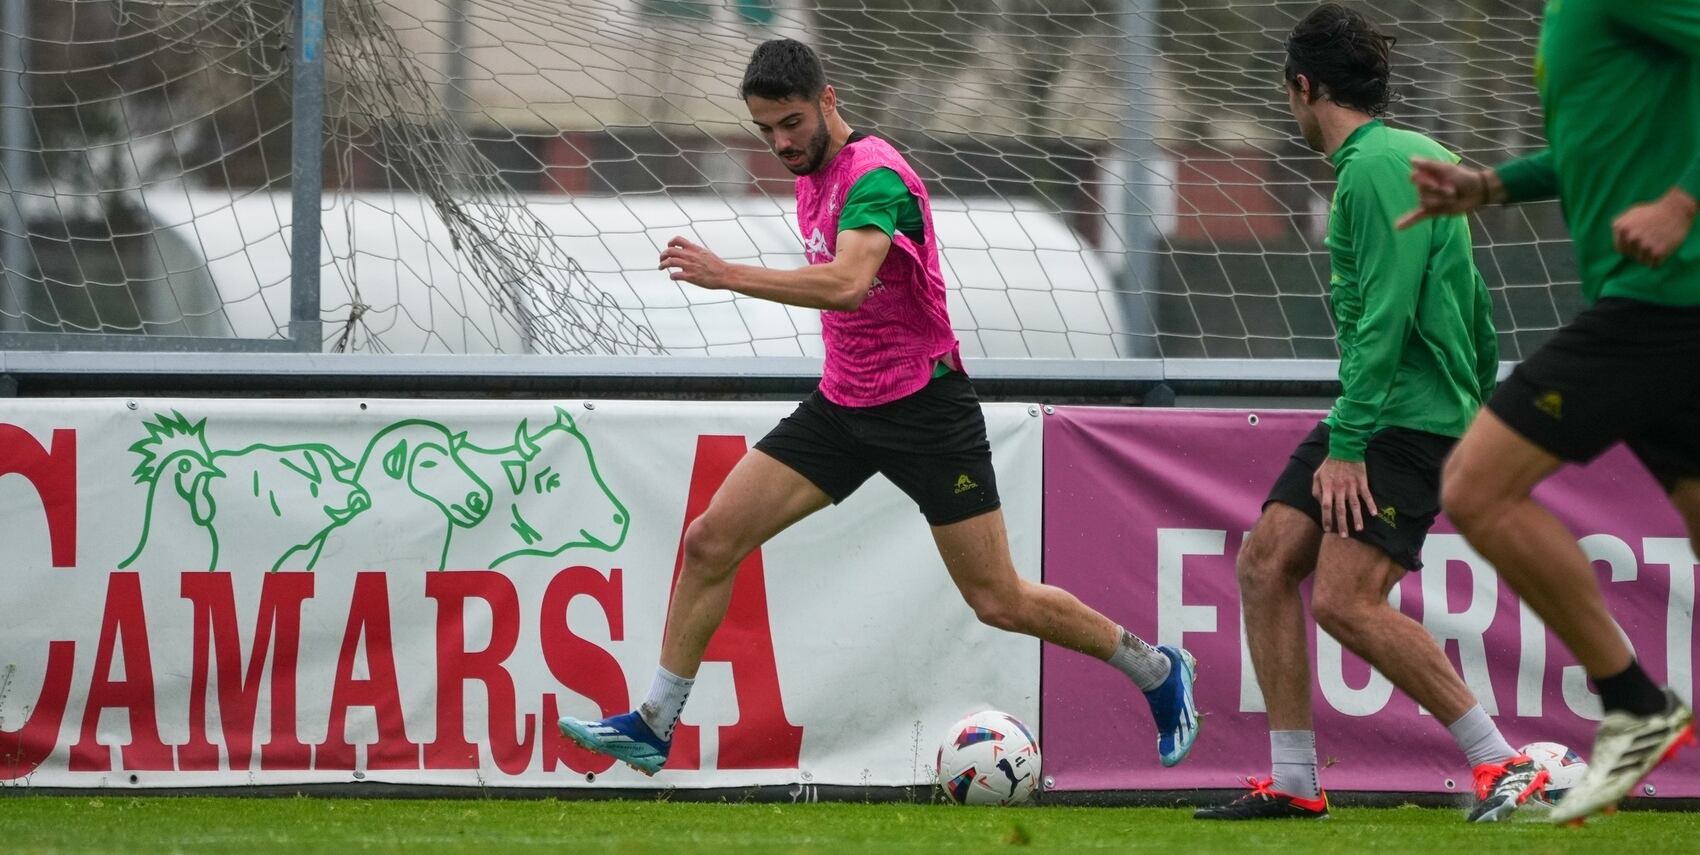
x=1417 y=356
x=1619 y=81
x=1417 y=344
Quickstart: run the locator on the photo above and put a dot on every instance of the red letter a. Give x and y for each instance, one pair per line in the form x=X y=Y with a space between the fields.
x=368 y=618
x=763 y=738
x=122 y=623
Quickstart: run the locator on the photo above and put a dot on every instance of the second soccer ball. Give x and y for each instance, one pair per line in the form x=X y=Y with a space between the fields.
x=1563 y=767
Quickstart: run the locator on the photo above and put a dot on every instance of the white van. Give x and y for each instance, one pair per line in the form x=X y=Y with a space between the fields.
x=1022 y=283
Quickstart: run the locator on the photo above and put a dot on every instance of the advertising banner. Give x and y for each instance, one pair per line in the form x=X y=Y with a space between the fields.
x=1145 y=512
x=208 y=592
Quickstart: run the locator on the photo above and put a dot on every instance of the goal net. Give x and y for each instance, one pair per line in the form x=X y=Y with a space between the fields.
x=1111 y=178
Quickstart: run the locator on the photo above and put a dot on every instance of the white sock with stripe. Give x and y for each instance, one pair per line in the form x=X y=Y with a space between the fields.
x=1479 y=738
x=1145 y=665
x=1292 y=755
x=667 y=695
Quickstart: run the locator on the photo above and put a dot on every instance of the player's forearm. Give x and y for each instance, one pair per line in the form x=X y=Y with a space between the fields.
x=817 y=286
x=1366 y=378
x=1369 y=360
x=1526 y=179
x=1365 y=382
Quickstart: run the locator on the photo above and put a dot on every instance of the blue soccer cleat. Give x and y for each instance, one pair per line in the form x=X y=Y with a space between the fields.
x=625 y=738
x=1172 y=707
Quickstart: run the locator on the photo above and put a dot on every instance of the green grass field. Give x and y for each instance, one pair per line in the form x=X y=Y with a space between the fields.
x=107 y=823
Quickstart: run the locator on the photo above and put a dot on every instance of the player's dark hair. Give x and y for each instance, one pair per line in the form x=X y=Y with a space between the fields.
x=781 y=69
x=1343 y=56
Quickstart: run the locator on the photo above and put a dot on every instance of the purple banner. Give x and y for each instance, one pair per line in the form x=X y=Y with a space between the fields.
x=1144 y=513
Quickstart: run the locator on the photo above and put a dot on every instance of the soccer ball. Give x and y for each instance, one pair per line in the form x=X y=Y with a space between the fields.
x=1564 y=769
x=989 y=758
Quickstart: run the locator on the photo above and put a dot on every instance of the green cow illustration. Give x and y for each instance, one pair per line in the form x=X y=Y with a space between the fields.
x=414 y=499
x=177 y=465
x=277 y=504
x=412 y=471
x=550 y=497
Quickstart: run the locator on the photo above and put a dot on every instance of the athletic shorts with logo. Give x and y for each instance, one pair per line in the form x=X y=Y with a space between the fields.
x=1622 y=371
x=1404 y=478
x=931 y=444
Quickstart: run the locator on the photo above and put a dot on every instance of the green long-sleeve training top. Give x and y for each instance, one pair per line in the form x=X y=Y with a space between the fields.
x=1412 y=313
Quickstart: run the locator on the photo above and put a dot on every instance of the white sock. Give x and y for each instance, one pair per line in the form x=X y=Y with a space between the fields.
x=1292 y=755
x=1145 y=665
x=666 y=700
x=1480 y=739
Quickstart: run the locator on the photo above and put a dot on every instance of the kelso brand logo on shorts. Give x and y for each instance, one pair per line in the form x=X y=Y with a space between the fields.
x=1551 y=403
x=964 y=484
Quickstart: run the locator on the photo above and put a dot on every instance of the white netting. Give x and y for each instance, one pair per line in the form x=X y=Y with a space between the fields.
x=1110 y=177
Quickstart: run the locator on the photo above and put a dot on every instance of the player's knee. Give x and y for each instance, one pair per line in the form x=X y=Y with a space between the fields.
x=1339 y=613
x=708 y=550
x=1470 y=496
x=1254 y=569
x=1001 y=617
x=1260 y=570
x=997 y=609
x=1468 y=508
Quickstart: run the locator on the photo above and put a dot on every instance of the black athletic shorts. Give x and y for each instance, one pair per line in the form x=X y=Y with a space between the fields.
x=1404 y=477
x=1624 y=370
x=931 y=444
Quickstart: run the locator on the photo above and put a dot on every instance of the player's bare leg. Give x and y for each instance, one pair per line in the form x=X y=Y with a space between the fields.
x=1353 y=580
x=1486 y=491
x=760 y=498
x=1275 y=559
x=1278 y=555
x=976 y=552
x=1488 y=485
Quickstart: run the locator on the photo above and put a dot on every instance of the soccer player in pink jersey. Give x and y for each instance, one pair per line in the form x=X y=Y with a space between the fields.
x=893 y=399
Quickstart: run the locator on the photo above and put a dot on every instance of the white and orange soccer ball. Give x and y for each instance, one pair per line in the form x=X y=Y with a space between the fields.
x=989 y=758
x=1564 y=769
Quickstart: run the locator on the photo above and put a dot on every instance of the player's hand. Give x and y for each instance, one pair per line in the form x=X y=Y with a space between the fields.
x=1446 y=189
x=1649 y=233
x=1342 y=486
x=688 y=262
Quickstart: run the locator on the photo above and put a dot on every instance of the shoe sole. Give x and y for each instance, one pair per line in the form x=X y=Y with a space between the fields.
x=1498 y=812
x=1312 y=817
x=1315 y=818
x=582 y=741
x=1189 y=662
x=1681 y=739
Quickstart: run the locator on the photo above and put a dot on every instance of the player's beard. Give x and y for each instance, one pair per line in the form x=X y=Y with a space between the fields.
x=814 y=153
x=1311 y=132
x=1313 y=138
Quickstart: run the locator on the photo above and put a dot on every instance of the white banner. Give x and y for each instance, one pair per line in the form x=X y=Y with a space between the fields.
x=207 y=592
